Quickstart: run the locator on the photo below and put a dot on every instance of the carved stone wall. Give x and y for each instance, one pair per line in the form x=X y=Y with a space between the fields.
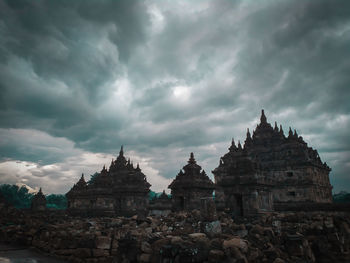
x=189 y=186
x=121 y=190
x=269 y=168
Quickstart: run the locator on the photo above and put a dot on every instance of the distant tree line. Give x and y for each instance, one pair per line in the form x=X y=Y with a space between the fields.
x=20 y=198
x=16 y=196
x=342 y=197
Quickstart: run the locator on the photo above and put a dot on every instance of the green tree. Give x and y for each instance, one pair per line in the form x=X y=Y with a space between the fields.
x=92 y=178
x=56 y=201
x=17 y=196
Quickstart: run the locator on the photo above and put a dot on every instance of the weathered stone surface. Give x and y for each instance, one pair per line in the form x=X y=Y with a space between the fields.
x=100 y=253
x=278 y=260
x=120 y=190
x=236 y=242
x=297 y=239
x=208 y=210
x=145 y=258
x=190 y=186
x=38 y=202
x=212 y=228
x=216 y=255
x=146 y=247
x=197 y=236
x=103 y=242
x=82 y=253
x=270 y=171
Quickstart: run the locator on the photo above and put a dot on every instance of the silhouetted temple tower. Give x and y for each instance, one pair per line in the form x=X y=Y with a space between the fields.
x=270 y=163
x=190 y=186
x=120 y=190
x=38 y=202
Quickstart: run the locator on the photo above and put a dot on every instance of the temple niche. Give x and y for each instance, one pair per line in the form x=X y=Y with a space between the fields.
x=38 y=202
x=270 y=169
x=189 y=186
x=120 y=190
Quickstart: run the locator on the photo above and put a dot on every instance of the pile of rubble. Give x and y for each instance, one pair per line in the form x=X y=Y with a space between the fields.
x=184 y=237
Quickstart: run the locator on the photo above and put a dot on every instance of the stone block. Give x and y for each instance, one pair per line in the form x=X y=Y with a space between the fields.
x=146 y=247
x=100 y=253
x=212 y=228
x=103 y=242
x=82 y=253
x=145 y=258
x=216 y=255
x=236 y=243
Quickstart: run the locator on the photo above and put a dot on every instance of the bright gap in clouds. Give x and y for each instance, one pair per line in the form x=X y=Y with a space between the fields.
x=182 y=92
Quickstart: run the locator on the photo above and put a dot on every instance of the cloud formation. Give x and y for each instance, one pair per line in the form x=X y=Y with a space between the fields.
x=166 y=78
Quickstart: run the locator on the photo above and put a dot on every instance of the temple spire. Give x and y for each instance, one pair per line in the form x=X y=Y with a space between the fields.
x=276 y=128
x=239 y=145
x=263 y=117
x=138 y=167
x=281 y=130
x=295 y=134
x=192 y=160
x=233 y=145
x=290 y=133
x=248 y=140
x=121 y=152
x=248 y=134
x=81 y=181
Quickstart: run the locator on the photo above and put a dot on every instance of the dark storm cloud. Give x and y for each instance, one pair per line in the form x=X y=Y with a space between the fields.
x=170 y=77
x=58 y=59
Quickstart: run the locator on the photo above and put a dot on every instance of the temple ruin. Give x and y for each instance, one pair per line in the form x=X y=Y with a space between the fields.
x=38 y=202
x=190 y=186
x=270 y=169
x=120 y=190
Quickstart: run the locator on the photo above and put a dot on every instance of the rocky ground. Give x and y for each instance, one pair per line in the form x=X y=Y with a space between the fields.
x=15 y=254
x=183 y=237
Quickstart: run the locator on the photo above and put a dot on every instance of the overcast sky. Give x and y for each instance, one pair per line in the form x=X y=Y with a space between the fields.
x=166 y=78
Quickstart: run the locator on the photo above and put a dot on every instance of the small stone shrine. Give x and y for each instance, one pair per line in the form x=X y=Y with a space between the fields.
x=121 y=190
x=189 y=186
x=38 y=202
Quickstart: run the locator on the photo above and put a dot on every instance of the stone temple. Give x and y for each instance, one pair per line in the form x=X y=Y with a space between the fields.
x=38 y=202
x=120 y=190
x=190 y=186
x=270 y=169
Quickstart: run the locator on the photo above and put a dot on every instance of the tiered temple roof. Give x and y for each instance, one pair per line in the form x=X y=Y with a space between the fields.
x=269 y=148
x=192 y=177
x=269 y=160
x=120 y=187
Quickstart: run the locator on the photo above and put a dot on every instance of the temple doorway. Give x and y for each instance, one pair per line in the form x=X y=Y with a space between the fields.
x=182 y=202
x=239 y=204
x=235 y=204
